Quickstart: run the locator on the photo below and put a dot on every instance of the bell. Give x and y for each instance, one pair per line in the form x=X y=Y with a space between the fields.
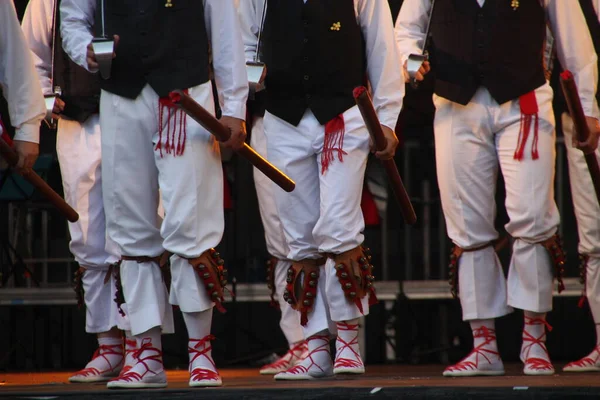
x=216 y=255
x=307 y=302
x=201 y=267
x=224 y=282
x=369 y=285
x=364 y=267
x=314 y=275
x=210 y=286
x=289 y=279
x=290 y=271
x=312 y=283
x=221 y=261
x=453 y=256
x=215 y=295
x=339 y=266
x=451 y=281
x=290 y=301
x=206 y=275
x=309 y=295
x=362 y=260
x=371 y=278
x=348 y=285
x=225 y=273
x=352 y=294
x=344 y=275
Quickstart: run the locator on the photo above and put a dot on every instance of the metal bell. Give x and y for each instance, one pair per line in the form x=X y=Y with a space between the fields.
x=206 y=275
x=348 y=285
x=339 y=266
x=344 y=275
x=289 y=279
x=215 y=295
x=314 y=275
x=309 y=295
x=362 y=260
x=352 y=294
x=307 y=302
x=224 y=282
x=312 y=283
x=201 y=267
x=210 y=286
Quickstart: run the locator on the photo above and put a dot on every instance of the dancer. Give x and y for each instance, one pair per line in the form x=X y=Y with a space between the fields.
x=494 y=106
x=316 y=53
x=162 y=46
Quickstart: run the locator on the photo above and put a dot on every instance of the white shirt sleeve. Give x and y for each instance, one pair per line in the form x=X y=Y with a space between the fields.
x=18 y=79
x=223 y=29
x=77 y=17
x=37 y=28
x=250 y=14
x=411 y=26
x=383 y=61
x=575 y=50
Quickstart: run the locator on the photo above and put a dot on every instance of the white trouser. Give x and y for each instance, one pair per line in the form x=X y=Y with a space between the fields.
x=79 y=153
x=274 y=236
x=322 y=215
x=470 y=142
x=191 y=186
x=587 y=212
x=101 y=310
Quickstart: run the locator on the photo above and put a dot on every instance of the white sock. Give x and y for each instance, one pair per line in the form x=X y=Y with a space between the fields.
x=479 y=328
x=534 y=336
x=346 y=345
x=319 y=357
x=200 y=350
x=150 y=356
x=130 y=348
x=110 y=355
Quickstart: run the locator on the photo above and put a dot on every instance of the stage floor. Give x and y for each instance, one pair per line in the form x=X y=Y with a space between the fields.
x=411 y=382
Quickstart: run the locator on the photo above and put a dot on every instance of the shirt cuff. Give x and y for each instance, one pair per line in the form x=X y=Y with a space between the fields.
x=388 y=119
x=235 y=108
x=28 y=132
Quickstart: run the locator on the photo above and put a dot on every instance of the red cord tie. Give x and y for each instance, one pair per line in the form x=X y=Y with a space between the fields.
x=301 y=369
x=176 y=132
x=348 y=362
x=480 y=351
x=534 y=362
x=334 y=142
x=529 y=113
x=202 y=374
x=102 y=351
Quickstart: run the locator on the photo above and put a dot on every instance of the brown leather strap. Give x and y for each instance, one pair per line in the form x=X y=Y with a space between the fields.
x=455 y=255
x=355 y=275
x=78 y=287
x=557 y=254
x=271 y=268
x=210 y=268
x=301 y=295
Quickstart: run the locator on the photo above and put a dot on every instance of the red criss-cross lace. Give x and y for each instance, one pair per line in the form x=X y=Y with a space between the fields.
x=294 y=353
x=587 y=361
x=348 y=362
x=202 y=374
x=301 y=369
x=132 y=376
x=130 y=349
x=102 y=351
x=489 y=336
x=535 y=362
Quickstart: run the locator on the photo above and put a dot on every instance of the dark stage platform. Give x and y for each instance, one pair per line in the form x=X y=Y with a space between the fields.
x=380 y=382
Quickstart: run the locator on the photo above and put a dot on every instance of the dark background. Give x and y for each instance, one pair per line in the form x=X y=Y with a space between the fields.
x=54 y=337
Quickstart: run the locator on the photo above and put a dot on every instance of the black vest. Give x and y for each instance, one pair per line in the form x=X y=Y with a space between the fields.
x=165 y=47
x=591 y=18
x=80 y=89
x=492 y=46
x=310 y=63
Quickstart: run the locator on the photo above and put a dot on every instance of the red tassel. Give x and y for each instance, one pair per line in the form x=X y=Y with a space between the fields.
x=529 y=113
x=334 y=142
x=172 y=144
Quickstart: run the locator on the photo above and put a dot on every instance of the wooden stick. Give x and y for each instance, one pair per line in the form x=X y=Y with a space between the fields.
x=365 y=105
x=13 y=158
x=569 y=88
x=211 y=124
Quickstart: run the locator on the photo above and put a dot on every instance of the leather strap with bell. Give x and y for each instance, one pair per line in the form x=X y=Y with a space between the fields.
x=210 y=268
x=271 y=267
x=301 y=289
x=355 y=274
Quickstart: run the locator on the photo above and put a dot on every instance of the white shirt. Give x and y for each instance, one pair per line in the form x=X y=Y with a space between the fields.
x=38 y=30
x=19 y=82
x=574 y=44
x=375 y=20
x=222 y=27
